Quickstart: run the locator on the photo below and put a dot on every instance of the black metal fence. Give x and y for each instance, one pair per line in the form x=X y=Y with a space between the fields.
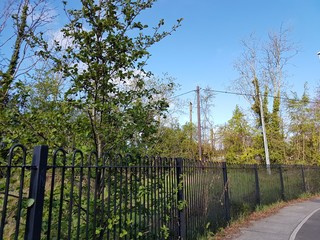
x=73 y=196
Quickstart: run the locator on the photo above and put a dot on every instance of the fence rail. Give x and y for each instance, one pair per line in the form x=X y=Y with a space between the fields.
x=73 y=196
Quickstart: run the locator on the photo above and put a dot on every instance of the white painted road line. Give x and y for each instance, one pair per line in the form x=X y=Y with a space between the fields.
x=296 y=230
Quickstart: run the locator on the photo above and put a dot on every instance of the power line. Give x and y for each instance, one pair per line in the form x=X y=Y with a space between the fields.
x=244 y=94
x=182 y=94
x=252 y=95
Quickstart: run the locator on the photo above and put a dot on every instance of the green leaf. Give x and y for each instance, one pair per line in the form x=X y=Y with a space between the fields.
x=123 y=233
x=98 y=230
x=30 y=202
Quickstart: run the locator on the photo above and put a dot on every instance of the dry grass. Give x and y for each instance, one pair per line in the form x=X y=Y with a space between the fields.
x=233 y=230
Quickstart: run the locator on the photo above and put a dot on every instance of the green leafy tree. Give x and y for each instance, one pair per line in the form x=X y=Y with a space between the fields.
x=237 y=139
x=277 y=144
x=304 y=130
x=105 y=69
x=93 y=94
x=176 y=141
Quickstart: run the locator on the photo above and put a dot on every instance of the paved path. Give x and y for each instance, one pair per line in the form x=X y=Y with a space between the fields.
x=300 y=221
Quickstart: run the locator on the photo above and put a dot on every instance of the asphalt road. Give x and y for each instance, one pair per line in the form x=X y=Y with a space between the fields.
x=300 y=221
x=310 y=229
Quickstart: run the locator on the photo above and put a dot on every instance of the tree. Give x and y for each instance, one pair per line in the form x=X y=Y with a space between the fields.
x=94 y=94
x=206 y=99
x=262 y=73
x=174 y=141
x=237 y=139
x=108 y=54
x=27 y=18
x=22 y=25
x=304 y=130
x=99 y=93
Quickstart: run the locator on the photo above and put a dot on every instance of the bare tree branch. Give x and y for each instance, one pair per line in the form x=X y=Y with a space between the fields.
x=27 y=19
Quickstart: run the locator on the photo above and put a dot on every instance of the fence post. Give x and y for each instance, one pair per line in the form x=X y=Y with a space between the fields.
x=256 y=176
x=36 y=192
x=281 y=183
x=303 y=179
x=180 y=199
x=226 y=191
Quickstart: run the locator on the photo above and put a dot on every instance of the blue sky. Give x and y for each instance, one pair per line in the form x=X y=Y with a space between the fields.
x=202 y=52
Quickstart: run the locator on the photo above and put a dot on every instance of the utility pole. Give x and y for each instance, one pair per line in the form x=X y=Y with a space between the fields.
x=212 y=144
x=199 y=123
x=265 y=140
x=190 y=108
x=264 y=133
x=212 y=139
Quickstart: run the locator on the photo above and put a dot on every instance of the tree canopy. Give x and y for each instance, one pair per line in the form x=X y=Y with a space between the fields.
x=92 y=92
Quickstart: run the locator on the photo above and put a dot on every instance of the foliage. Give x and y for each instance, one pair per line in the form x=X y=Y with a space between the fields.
x=304 y=130
x=93 y=94
x=237 y=138
x=86 y=197
x=104 y=66
x=262 y=69
x=176 y=141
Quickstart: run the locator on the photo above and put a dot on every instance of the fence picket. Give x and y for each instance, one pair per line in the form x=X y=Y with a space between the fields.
x=36 y=192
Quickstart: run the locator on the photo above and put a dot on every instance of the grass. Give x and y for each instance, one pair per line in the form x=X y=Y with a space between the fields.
x=261 y=212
